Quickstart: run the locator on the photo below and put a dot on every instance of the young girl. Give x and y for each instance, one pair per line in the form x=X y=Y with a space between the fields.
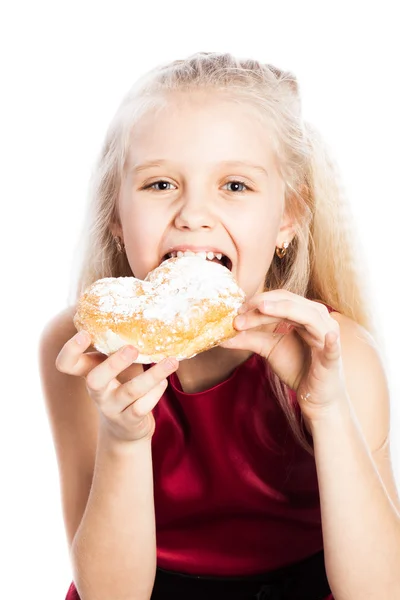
x=259 y=468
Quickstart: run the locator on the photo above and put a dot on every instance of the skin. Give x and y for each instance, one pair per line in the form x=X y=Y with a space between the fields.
x=199 y=205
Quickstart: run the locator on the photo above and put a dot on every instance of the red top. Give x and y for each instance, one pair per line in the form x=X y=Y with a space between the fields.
x=234 y=492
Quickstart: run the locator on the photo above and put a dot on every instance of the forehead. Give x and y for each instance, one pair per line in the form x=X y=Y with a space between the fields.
x=200 y=129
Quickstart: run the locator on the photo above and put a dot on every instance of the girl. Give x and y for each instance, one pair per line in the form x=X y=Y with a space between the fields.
x=260 y=468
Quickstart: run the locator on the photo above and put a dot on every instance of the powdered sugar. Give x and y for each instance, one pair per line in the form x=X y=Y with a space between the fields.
x=169 y=291
x=183 y=307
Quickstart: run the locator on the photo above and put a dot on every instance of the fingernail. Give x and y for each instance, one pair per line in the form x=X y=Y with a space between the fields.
x=240 y=320
x=283 y=327
x=128 y=353
x=170 y=363
x=81 y=338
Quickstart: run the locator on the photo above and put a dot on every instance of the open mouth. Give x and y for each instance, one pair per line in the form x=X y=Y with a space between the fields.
x=217 y=257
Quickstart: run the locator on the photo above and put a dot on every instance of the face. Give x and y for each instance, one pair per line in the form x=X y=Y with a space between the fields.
x=186 y=185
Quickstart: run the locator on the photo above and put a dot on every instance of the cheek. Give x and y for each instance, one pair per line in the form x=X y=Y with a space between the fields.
x=142 y=235
x=258 y=234
x=257 y=240
x=140 y=224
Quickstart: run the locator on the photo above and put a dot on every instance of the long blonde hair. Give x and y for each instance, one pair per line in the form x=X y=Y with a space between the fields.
x=324 y=261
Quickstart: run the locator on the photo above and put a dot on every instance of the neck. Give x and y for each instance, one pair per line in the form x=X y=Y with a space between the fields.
x=209 y=368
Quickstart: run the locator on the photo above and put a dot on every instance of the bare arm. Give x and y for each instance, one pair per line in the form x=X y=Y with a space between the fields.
x=114 y=550
x=100 y=412
x=360 y=507
x=360 y=524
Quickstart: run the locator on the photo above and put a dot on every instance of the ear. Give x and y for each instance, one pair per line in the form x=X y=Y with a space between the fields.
x=287 y=230
x=116 y=230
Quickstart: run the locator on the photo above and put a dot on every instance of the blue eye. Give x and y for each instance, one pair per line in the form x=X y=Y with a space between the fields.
x=238 y=182
x=165 y=183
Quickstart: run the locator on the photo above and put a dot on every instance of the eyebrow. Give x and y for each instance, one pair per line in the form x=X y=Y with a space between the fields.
x=233 y=163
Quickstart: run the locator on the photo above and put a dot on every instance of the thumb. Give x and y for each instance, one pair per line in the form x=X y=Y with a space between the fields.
x=331 y=351
x=256 y=341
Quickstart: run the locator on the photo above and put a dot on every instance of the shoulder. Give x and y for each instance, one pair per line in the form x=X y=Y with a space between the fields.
x=55 y=333
x=65 y=395
x=58 y=330
x=365 y=378
x=360 y=352
x=60 y=323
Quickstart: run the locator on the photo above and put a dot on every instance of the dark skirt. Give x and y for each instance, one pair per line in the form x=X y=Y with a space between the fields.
x=305 y=580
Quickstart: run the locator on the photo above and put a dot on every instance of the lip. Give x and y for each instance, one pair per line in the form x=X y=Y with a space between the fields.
x=192 y=248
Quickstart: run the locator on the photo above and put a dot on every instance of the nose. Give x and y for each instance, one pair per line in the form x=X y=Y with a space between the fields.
x=195 y=213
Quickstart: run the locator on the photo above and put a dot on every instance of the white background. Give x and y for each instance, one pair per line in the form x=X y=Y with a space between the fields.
x=65 y=67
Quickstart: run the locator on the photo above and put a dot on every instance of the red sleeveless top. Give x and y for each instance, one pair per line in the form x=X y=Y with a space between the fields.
x=234 y=492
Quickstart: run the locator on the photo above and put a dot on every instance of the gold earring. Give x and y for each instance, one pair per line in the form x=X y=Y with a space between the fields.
x=119 y=244
x=282 y=251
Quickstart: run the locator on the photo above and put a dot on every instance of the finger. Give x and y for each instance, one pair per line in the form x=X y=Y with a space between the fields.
x=142 y=384
x=141 y=407
x=71 y=358
x=244 y=307
x=307 y=315
x=103 y=377
x=256 y=341
x=254 y=318
x=272 y=296
x=331 y=350
x=309 y=339
x=254 y=302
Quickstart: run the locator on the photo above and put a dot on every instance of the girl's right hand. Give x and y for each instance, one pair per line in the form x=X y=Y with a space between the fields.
x=125 y=409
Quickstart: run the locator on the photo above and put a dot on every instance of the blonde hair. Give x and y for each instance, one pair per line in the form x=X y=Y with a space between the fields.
x=324 y=262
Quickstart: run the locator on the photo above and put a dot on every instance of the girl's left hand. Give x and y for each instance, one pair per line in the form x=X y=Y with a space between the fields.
x=301 y=342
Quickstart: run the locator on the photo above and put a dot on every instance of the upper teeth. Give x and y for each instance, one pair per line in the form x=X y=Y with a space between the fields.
x=205 y=255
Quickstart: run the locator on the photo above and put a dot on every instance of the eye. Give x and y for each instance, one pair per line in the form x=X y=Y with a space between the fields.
x=161 y=181
x=237 y=182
